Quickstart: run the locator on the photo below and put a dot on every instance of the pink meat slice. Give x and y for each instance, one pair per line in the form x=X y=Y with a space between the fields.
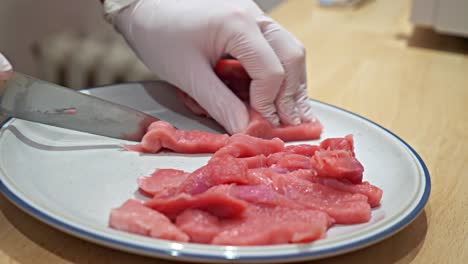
x=343 y=206
x=289 y=161
x=373 y=193
x=262 y=195
x=163 y=182
x=273 y=158
x=261 y=176
x=302 y=149
x=304 y=174
x=260 y=127
x=223 y=170
x=216 y=200
x=340 y=164
x=161 y=135
x=201 y=226
x=134 y=217
x=255 y=161
x=345 y=143
x=240 y=145
x=273 y=225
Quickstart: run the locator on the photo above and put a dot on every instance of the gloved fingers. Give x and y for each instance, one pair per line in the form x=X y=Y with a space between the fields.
x=248 y=45
x=5 y=68
x=217 y=99
x=291 y=53
x=303 y=102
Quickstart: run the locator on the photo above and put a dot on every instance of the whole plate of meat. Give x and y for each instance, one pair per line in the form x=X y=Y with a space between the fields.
x=285 y=194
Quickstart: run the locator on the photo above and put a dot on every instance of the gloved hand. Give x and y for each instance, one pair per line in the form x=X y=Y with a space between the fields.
x=181 y=41
x=5 y=68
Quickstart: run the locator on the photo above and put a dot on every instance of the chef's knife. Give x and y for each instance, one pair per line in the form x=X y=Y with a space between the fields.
x=28 y=98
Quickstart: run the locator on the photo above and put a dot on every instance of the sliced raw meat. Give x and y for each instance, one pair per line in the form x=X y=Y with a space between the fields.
x=273 y=158
x=236 y=78
x=302 y=149
x=134 y=217
x=340 y=164
x=240 y=146
x=222 y=170
x=253 y=191
x=289 y=161
x=262 y=195
x=344 y=207
x=260 y=127
x=255 y=161
x=161 y=135
x=163 y=182
x=274 y=225
x=216 y=200
x=260 y=176
x=373 y=193
x=308 y=175
x=201 y=226
x=346 y=143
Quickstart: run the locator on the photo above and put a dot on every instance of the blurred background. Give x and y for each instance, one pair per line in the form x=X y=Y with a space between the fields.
x=68 y=41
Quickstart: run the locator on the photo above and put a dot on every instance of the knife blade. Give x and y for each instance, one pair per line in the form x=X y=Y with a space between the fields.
x=28 y=98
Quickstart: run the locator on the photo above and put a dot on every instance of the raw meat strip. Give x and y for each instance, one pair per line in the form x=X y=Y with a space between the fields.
x=236 y=78
x=215 y=200
x=254 y=192
x=273 y=158
x=201 y=226
x=340 y=164
x=255 y=161
x=262 y=195
x=134 y=217
x=161 y=135
x=346 y=143
x=222 y=170
x=344 y=207
x=240 y=146
x=289 y=161
x=308 y=175
x=260 y=127
x=233 y=74
x=274 y=225
x=373 y=193
x=302 y=149
x=163 y=182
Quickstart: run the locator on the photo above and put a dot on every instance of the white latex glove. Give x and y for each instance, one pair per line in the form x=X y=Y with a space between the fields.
x=181 y=41
x=5 y=68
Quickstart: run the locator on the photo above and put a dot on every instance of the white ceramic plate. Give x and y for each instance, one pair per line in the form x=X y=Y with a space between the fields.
x=71 y=180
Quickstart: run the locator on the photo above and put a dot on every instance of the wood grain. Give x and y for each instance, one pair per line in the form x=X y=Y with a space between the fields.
x=371 y=61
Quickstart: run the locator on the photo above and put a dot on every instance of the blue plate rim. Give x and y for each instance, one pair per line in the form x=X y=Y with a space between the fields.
x=169 y=253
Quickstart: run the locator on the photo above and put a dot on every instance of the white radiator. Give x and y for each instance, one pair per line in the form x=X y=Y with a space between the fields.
x=78 y=61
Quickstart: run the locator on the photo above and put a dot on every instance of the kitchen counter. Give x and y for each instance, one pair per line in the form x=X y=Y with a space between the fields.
x=371 y=61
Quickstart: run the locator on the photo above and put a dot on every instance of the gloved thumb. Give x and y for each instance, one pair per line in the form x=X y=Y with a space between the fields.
x=217 y=99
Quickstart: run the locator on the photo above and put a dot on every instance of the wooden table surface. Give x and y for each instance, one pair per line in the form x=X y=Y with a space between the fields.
x=369 y=60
